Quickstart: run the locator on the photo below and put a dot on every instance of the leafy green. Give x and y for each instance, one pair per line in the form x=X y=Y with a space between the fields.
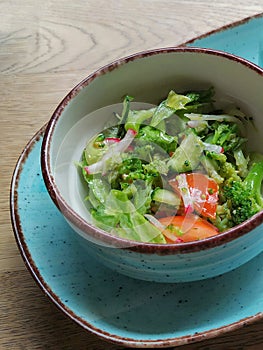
x=136 y=118
x=241 y=162
x=125 y=112
x=120 y=212
x=167 y=108
x=177 y=101
x=92 y=153
x=158 y=137
x=201 y=96
x=104 y=221
x=187 y=156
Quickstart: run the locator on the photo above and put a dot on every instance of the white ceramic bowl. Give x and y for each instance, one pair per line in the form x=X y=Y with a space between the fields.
x=149 y=76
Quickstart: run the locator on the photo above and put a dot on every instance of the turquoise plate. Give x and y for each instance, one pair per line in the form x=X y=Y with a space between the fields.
x=243 y=38
x=119 y=309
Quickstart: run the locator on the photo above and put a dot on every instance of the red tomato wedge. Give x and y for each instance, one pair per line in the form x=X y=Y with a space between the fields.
x=188 y=228
x=203 y=191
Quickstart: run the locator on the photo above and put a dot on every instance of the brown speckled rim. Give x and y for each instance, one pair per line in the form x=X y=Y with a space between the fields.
x=104 y=237
x=32 y=267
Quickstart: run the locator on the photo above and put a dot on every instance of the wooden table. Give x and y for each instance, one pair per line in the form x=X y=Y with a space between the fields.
x=46 y=47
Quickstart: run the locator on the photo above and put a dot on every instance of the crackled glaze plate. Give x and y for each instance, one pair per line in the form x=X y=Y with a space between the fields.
x=120 y=309
x=243 y=38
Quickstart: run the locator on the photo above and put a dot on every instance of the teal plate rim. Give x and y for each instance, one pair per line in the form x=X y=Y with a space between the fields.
x=32 y=267
x=222 y=29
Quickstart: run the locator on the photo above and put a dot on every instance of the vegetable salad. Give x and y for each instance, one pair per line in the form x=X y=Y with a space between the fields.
x=174 y=173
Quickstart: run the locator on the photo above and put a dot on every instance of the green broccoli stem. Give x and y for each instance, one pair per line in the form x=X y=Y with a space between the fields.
x=254 y=180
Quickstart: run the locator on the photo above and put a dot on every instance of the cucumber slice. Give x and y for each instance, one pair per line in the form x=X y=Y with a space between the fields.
x=166 y=196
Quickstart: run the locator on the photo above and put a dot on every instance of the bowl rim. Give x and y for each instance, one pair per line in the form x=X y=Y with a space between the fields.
x=101 y=235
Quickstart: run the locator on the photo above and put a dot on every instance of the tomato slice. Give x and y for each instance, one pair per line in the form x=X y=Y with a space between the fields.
x=187 y=228
x=203 y=191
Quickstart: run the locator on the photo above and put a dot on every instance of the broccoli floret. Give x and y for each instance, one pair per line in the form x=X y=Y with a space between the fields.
x=223 y=219
x=217 y=166
x=229 y=173
x=131 y=169
x=242 y=206
x=244 y=198
x=226 y=135
x=156 y=166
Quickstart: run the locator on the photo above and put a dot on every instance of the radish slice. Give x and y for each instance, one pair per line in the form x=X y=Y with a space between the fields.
x=196 y=123
x=185 y=193
x=213 y=148
x=155 y=222
x=114 y=149
x=112 y=140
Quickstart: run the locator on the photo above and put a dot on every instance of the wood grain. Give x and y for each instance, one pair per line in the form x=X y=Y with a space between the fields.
x=46 y=47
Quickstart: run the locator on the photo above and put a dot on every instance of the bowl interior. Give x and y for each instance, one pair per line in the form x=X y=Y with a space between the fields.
x=149 y=77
